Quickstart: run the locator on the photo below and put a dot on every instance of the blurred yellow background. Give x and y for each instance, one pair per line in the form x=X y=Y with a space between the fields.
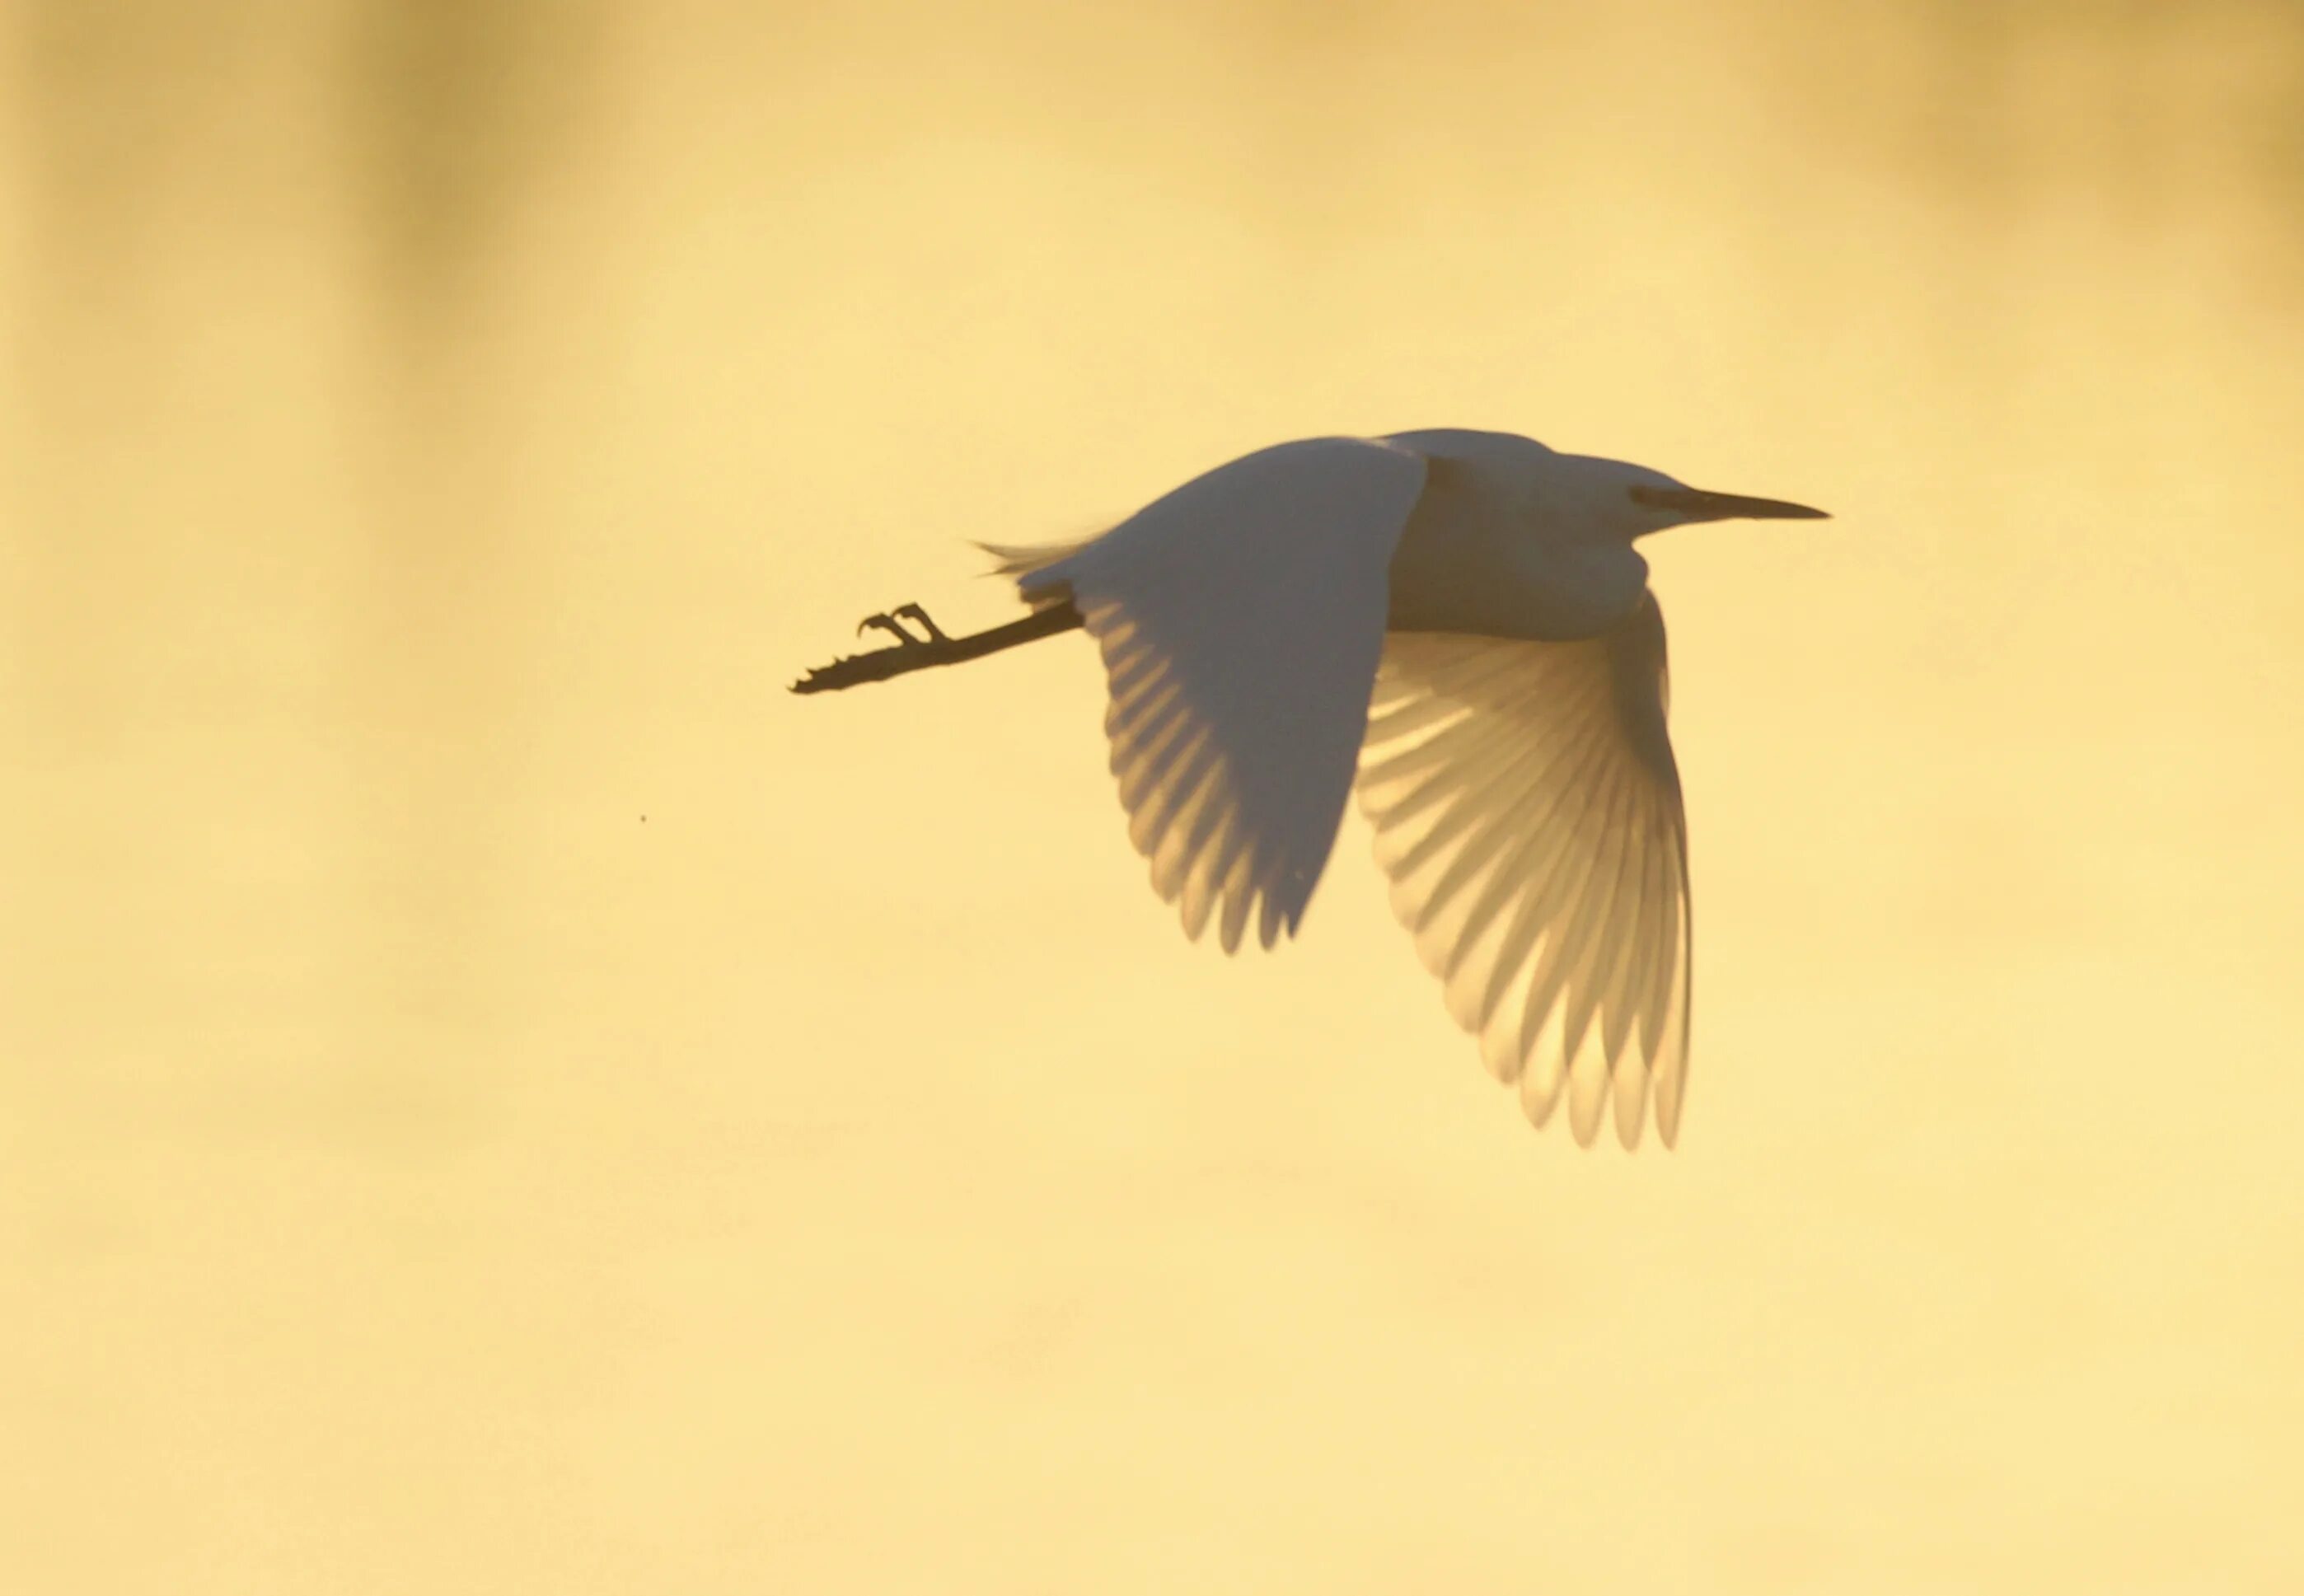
x=495 y=1095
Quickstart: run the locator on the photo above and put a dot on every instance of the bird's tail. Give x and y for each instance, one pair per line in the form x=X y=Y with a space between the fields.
x=1018 y=561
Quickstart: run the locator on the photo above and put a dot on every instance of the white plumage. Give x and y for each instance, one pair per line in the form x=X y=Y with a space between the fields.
x=1528 y=813
x=1456 y=622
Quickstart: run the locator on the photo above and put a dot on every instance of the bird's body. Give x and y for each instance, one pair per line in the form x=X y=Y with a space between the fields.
x=1457 y=623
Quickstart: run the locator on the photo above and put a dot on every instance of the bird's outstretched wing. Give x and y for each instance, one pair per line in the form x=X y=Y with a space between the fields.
x=1240 y=619
x=1527 y=812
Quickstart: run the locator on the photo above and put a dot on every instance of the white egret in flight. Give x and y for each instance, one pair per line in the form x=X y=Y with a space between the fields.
x=1458 y=623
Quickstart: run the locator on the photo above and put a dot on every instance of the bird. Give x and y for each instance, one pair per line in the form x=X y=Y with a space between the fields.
x=1456 y=625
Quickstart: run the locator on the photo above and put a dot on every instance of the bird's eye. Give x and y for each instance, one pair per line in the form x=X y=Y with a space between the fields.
x=1648 y=497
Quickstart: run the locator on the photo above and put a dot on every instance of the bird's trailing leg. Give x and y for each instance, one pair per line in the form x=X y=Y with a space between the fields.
x=935 y=646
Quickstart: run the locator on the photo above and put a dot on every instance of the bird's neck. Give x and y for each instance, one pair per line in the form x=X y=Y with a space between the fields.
x=1463 y=565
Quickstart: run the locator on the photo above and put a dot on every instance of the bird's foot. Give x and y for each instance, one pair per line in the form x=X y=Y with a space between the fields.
x=890 y=622
x=934 y=633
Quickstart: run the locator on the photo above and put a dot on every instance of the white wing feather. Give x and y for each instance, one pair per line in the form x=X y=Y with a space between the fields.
x=1240 y=619
x=1527 y=812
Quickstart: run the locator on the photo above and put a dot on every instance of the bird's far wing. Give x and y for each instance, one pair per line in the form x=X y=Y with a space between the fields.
x=1241 y=618
x=1527 y=812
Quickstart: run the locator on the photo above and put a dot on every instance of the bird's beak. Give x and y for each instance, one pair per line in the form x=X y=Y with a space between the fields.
x=1696 y=504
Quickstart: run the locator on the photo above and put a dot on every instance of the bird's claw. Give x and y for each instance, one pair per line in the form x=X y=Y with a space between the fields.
x=889 y=622
x=931 y=631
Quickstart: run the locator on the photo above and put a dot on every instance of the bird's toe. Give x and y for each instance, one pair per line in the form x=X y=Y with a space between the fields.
x=933 y=633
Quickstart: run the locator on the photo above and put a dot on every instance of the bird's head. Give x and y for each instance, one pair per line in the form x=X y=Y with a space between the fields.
x=1580 y=498
x=1633 y=501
